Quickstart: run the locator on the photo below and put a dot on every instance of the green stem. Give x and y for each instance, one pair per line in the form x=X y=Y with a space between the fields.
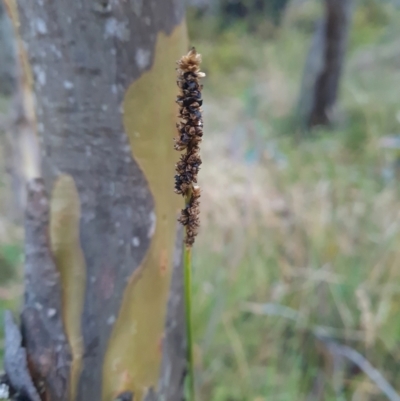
x=187 y=266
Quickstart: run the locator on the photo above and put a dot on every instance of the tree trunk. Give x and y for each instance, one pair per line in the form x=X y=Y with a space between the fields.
x=95 y=322
x=325 y=64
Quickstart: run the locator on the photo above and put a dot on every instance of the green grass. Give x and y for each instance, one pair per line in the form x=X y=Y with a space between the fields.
x=187 y=271
x=313 y=226
x=10 y=237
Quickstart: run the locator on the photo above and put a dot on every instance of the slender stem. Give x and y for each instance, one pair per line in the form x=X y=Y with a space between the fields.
x=187 y=266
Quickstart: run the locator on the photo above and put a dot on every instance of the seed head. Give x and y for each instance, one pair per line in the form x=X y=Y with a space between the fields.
x=190 y=133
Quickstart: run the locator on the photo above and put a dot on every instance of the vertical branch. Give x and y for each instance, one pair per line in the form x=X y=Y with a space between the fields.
x=38 y=359
x=42 y=325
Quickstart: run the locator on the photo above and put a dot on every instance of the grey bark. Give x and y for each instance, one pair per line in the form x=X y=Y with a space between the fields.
x=324 y=65
x=41 y=318
x=83 y=56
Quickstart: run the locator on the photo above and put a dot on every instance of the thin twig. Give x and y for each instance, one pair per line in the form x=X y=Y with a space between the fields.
x=354 y=356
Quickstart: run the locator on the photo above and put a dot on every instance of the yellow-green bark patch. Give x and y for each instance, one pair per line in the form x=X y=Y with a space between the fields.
x=133 y=357
x=65 y=212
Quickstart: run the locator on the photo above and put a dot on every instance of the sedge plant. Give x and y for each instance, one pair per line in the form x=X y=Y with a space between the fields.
x=190 y=133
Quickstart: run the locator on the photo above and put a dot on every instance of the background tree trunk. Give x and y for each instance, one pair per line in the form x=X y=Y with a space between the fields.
x=324 y=64
x=104 y=79
x=7 y=54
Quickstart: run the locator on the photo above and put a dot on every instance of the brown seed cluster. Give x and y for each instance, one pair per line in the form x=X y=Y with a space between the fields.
x=190 y=133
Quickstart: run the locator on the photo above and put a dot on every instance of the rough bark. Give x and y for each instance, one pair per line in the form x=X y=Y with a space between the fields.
x=110 y=224
x=325 y=64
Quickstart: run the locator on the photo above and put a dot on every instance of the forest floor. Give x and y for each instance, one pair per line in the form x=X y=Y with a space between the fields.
x=299 y=245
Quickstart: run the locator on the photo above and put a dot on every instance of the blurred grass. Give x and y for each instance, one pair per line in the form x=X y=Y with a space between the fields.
x=10 y=235
x=309 y=229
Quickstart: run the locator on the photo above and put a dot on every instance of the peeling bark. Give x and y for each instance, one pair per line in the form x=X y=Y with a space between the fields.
x=84 y=56
x=41 y=318
x=15 y=361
